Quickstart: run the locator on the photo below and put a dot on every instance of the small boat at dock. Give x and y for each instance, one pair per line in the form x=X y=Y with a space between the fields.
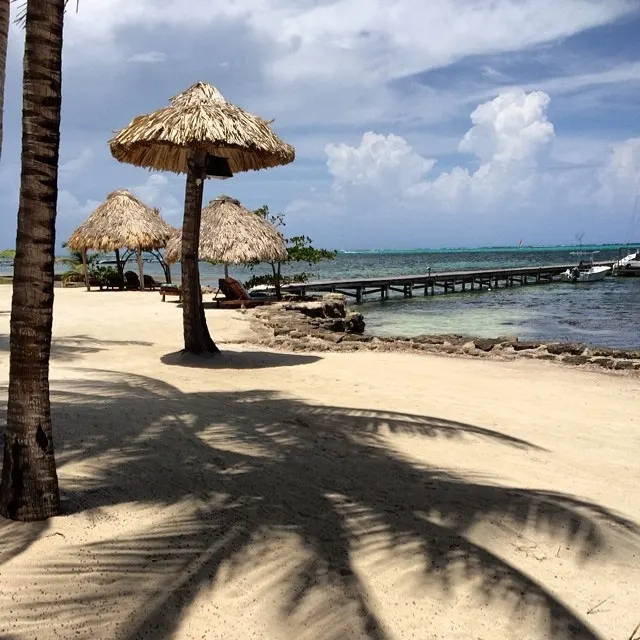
x=586 y=271
x=629 y=266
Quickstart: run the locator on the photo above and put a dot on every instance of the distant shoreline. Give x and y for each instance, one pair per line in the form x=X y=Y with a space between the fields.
x=509 y=248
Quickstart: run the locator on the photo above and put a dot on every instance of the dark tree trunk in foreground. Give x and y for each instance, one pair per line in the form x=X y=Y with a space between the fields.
x=196 y=333
x=4 y=39
x=29 y=488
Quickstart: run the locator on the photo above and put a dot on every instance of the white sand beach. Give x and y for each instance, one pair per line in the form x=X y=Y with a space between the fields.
x=320 y=497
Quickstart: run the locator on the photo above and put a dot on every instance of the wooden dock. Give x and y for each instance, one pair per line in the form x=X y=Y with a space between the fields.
x=433 y=283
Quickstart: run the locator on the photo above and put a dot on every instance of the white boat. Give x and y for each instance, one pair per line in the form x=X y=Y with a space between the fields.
x=586 y=271
x=625 y=263
x=630 y=264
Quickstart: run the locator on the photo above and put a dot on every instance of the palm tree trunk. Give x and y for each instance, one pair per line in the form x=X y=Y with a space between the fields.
x=29 y=489
x=196 y=333
x=4 y=39
x=140 y=269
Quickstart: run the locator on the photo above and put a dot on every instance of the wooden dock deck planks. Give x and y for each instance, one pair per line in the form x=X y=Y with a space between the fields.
x=429 y=284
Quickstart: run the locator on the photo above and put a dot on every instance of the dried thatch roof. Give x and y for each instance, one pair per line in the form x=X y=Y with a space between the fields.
x=200 y=116
x=122 y=220
x=231 y=234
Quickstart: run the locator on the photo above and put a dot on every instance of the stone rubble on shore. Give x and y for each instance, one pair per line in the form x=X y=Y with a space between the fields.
x=328 y=325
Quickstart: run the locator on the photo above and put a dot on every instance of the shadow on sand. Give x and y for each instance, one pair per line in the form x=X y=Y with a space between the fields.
x=70 y=348
x=238 y=360
x=242 y=469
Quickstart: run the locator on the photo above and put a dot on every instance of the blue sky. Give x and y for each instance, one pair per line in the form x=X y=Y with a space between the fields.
x=416 y=124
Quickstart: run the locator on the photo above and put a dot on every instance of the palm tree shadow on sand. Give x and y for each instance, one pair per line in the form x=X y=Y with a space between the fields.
x=70 y=348
x=240 y=472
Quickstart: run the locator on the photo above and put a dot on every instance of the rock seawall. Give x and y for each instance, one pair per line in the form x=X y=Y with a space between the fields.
x=328 y=325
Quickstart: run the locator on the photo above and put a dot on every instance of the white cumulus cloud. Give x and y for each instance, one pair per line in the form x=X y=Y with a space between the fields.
x=506 y=185
x=384 y=162
x=149 y=57
x=620 y=177
x=156 y=192
x=508 y=137
x=513 y=127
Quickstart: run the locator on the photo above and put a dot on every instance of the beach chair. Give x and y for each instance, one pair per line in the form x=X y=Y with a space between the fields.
x=232 y=289
x=150 y=283
x=236 y=296
x=112 y=281
x=132 y=281
x=170 y=290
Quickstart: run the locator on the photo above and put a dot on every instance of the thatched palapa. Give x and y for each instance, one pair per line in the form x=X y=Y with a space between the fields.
x=202 y=135
x=122 y=221
x=200 y=116
x=231 y=234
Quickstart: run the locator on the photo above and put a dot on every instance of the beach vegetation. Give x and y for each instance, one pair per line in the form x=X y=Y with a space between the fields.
x=300 y=250
x=76 y=270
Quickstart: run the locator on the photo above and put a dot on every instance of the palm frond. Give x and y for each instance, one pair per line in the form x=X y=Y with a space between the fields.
x=21 y=16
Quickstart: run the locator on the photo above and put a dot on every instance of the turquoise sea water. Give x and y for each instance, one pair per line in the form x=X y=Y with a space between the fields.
x=604 y=313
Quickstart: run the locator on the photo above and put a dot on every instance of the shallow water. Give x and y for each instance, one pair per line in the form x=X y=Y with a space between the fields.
x=605 y=313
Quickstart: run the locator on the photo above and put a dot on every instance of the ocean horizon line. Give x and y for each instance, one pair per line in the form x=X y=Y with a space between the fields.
x=540 y=247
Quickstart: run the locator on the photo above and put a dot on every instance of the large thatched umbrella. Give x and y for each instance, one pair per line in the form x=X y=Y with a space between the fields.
x=200 y=134
x=122 y=220
x=231 y=234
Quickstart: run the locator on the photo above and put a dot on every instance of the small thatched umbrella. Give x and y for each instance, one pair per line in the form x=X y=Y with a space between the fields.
x=231 y=234
x=200 y=134
x=122 y=220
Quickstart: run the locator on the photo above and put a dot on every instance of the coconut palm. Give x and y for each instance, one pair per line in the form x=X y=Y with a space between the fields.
x=76 y=263
x=5 y=12
x=29 y=489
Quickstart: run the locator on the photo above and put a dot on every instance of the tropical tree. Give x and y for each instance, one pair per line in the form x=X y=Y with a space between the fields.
x=5 y=12
x=299 y=249
x=74 y=261
x=29 y=489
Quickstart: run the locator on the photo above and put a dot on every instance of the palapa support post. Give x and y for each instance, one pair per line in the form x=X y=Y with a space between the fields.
x=119 y=265
x=140 y=269
x=85 y=270
x=226 y=271
x=197 y=339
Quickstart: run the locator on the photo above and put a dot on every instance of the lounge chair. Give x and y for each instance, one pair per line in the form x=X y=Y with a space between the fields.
x=112 y=281
x=236 y=296
x=132 y=281
x=150 y=283
x=170 y=290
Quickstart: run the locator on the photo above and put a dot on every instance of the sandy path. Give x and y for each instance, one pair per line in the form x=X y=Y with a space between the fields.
x=363 y=495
